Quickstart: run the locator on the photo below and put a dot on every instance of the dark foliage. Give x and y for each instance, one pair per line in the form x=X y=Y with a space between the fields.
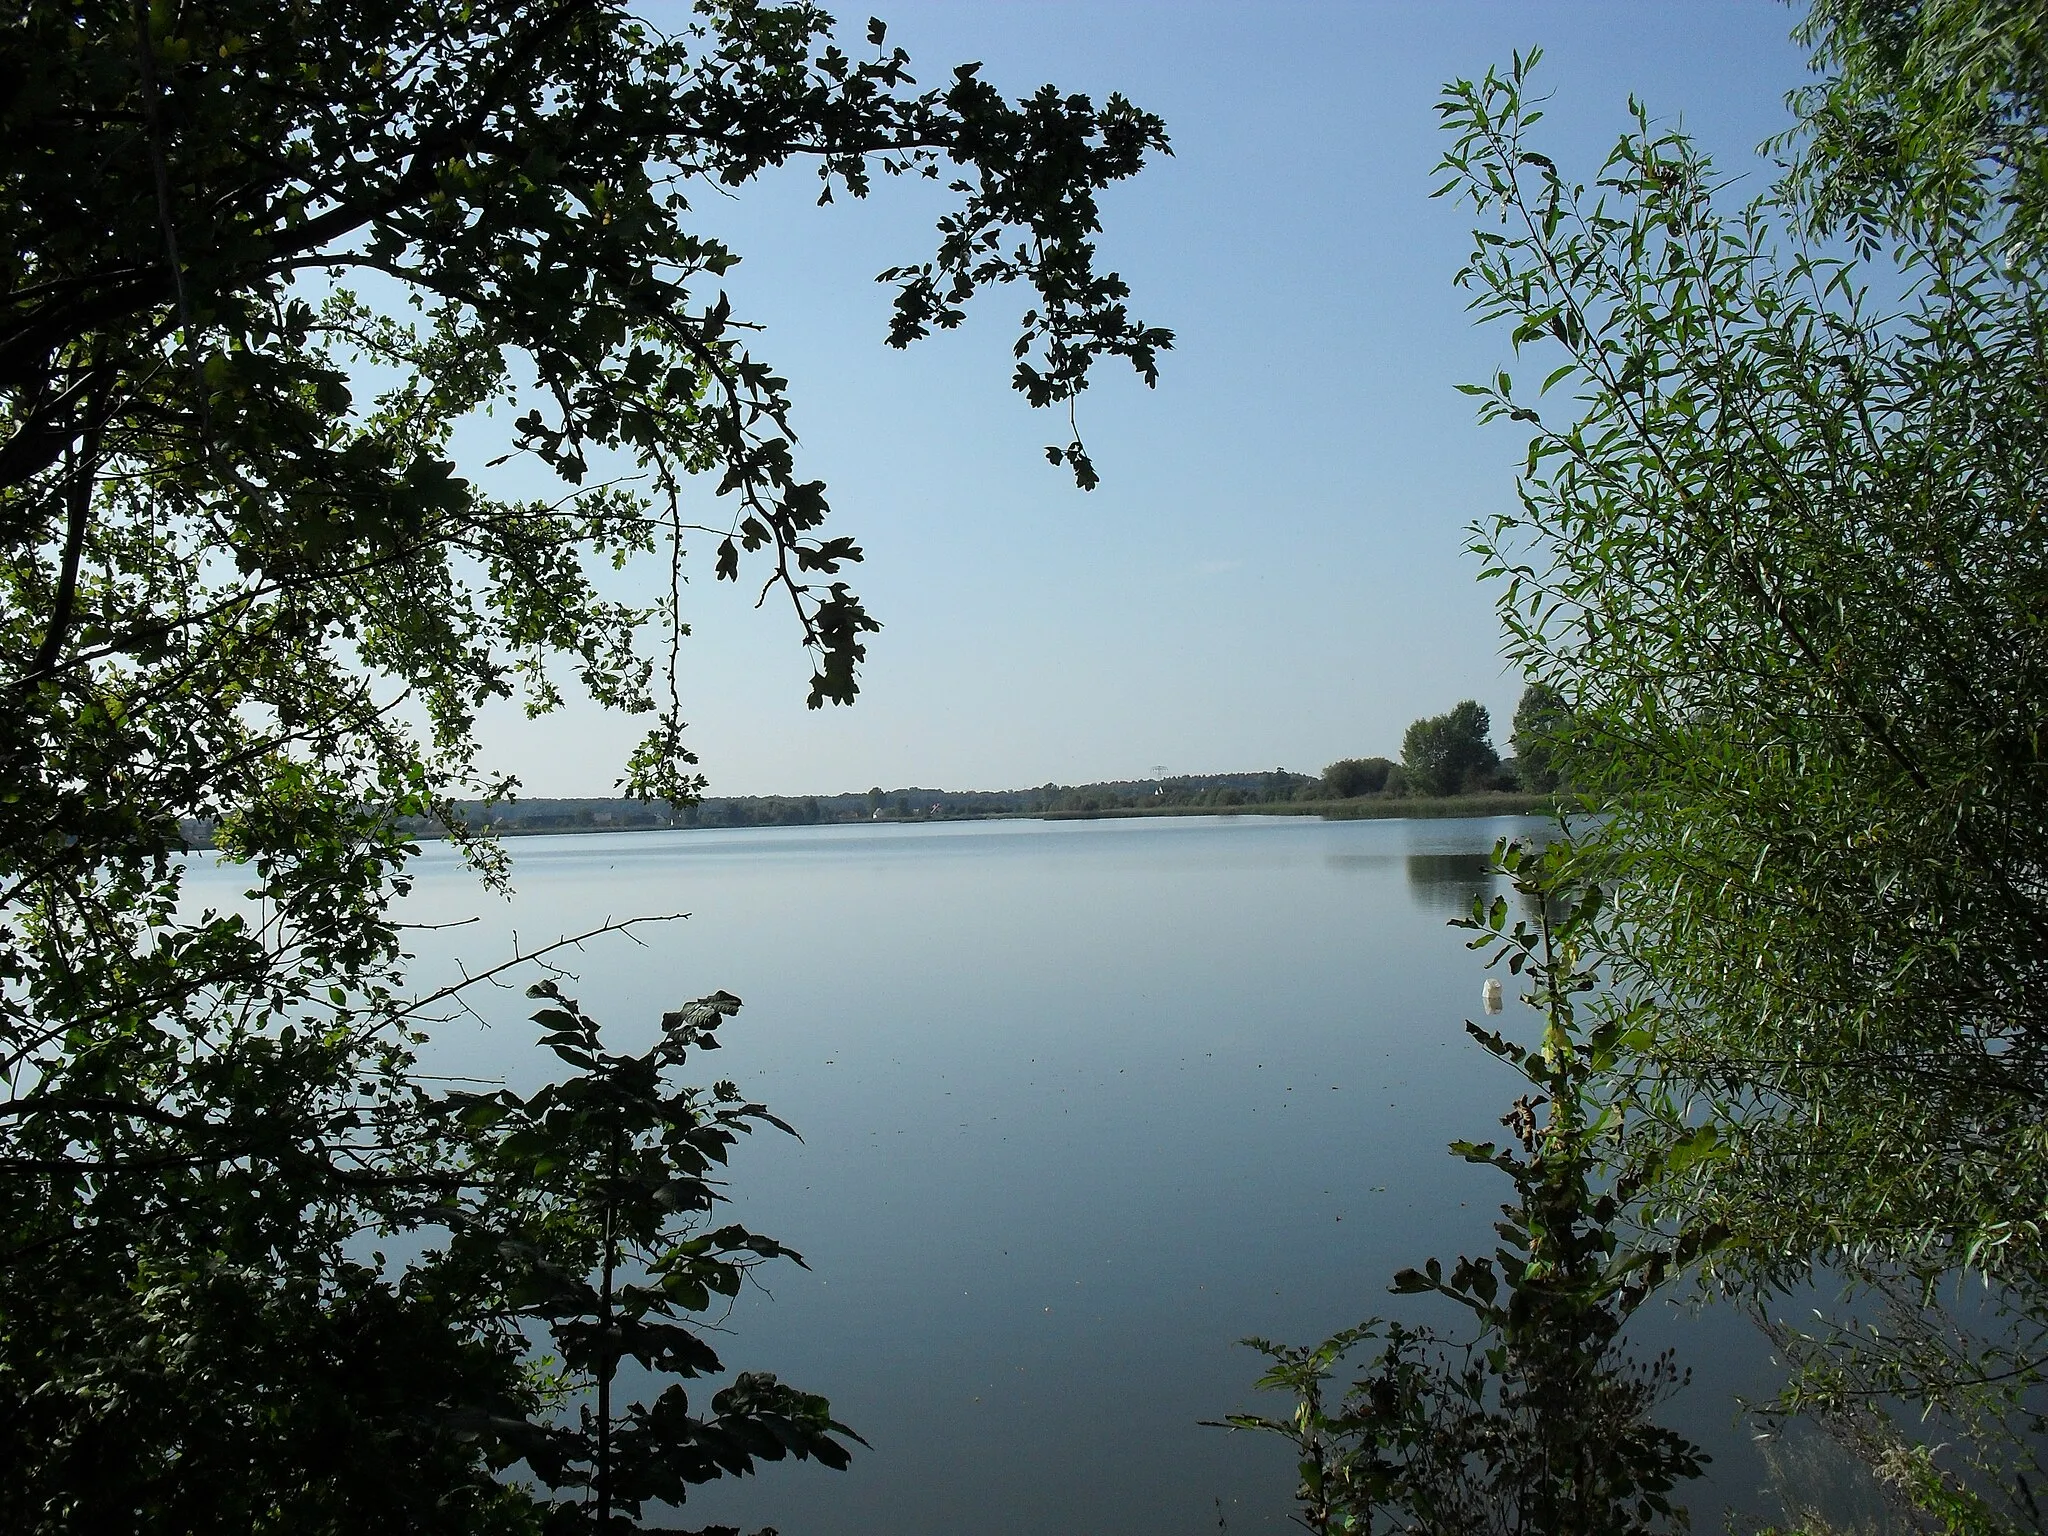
x=1350 y=777
x=257 y=261
x=585 y=1215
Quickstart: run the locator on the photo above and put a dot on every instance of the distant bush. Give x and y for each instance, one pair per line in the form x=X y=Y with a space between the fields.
x=1350 y=777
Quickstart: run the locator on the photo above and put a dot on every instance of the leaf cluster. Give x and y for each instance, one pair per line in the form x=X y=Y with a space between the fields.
x=586 y=1216
x=1927 y=118
x=1540 y=719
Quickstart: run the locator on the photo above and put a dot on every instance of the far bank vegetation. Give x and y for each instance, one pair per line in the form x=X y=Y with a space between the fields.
x=1448 y=767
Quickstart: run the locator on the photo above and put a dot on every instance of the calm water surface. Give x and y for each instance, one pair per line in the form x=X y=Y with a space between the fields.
x=1082 y=1104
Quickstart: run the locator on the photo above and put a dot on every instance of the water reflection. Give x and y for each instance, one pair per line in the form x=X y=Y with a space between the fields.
x=1359 y=863
x=1447 y=882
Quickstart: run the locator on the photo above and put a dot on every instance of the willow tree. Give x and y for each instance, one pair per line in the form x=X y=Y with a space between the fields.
x=1779 y=549
x=257 y=261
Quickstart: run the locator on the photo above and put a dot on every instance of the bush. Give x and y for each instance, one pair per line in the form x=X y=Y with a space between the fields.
x=1350 y=777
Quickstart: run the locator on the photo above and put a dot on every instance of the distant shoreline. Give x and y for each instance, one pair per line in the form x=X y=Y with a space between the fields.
x=1364 y=808
x=583 y=818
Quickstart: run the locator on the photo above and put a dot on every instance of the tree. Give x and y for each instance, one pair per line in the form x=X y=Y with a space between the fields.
x=1782 y=551
x=1443 y=754
x=1350 y=777
x=1537 y=749
x=259 y=262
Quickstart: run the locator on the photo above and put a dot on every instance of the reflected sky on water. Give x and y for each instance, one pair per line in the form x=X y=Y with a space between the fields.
x=1082 y=1104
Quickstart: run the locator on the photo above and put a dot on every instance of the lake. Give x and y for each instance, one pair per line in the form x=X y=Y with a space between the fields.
x=1082 y=1103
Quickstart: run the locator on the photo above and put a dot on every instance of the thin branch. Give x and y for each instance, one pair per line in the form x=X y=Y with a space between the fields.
x=80 y=473
x=532 y=956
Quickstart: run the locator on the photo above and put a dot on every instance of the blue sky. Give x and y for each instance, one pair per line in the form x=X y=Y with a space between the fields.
x=1272 y=572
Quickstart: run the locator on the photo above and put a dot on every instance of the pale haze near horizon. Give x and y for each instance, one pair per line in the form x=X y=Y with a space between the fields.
x=1273 y=571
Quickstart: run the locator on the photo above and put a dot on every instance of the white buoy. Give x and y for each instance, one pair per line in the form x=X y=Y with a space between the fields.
x=1490 y=994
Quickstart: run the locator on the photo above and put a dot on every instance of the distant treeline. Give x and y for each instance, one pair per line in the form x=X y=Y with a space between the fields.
x=1349 y=788
x=911 y=803
x=1194 y=792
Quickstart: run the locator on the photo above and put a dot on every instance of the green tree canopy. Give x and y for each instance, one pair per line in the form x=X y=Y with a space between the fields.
x=258 y=263
x=1443 y=754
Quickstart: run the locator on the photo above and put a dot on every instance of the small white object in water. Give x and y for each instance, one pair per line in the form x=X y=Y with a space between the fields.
x=1490 y=994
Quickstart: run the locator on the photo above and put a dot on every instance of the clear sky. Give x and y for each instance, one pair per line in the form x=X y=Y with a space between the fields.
x=1272 y=572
